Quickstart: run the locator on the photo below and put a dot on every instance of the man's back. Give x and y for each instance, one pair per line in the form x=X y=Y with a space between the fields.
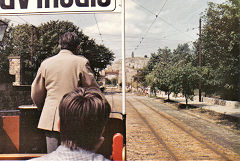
x=59 y=75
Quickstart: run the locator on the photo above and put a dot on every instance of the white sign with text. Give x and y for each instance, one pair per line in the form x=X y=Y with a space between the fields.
x=19 y=7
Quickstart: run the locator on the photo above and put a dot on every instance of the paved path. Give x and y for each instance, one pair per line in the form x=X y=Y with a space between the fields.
x=228 y=110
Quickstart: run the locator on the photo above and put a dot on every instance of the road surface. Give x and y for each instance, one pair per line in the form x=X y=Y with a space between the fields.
x=157 y=131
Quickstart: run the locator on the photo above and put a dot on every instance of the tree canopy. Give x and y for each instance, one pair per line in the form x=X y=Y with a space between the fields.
x=34 y=44
x=221 y=48
x=173 y=72
x=178 y=70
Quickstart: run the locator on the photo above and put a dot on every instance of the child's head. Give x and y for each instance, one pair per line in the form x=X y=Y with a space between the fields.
x=83 y=115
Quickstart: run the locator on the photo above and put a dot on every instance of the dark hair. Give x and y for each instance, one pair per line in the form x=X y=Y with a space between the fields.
x=83 y=115
x=69 y=41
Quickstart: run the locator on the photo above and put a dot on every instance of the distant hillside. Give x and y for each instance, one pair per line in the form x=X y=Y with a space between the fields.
x=132 y=65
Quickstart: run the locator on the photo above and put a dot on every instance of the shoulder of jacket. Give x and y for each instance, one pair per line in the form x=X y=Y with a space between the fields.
x=47 y=61
x=50 y=58
x=82 y=58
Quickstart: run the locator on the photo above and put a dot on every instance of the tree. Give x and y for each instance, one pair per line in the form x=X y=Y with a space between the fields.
x=185 y=80
x=221 y=47
x=99 y=56
x=162 y=74
x=183 y=53
x=141 y=75
x=173 y=72
x=152 y=82
x=4 y=53
x=162 y=55
x=34 y=44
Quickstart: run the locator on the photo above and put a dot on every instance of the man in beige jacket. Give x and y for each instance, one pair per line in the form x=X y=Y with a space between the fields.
x=57 y=76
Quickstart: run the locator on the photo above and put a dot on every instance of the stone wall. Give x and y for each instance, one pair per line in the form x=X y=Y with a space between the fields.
x=216 y=101
x=11 y=97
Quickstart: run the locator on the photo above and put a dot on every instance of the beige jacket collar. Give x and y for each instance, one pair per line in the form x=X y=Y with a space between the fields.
x=64 y=51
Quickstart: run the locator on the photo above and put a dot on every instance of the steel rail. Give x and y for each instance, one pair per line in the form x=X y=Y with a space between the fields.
x=186 y=131
x=155 y=133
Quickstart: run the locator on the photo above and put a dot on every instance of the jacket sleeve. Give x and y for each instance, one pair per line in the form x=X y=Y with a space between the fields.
x=38 y=90
x=87 y=77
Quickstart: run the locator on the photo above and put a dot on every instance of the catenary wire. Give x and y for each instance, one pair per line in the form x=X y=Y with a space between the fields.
x=148 y=29
x=144 y=7
x=98 y=27
x=157 y=15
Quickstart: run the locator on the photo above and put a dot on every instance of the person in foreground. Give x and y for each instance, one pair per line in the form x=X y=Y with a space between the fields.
x=83 y=113
x=57 y=76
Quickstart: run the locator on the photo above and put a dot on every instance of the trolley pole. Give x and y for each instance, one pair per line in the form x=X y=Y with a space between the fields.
x=123 y=78
x=123 y=60
x=200 y=59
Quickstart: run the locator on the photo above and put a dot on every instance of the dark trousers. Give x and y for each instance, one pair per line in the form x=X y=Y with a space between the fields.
x=52 y=140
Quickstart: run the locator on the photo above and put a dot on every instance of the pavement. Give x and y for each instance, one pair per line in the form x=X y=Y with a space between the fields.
x=228 y=109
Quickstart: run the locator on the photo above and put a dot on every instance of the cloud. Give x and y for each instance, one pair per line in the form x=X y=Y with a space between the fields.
x=175 y=24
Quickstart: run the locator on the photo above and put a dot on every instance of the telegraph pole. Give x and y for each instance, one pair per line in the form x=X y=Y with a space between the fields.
x=200 y=59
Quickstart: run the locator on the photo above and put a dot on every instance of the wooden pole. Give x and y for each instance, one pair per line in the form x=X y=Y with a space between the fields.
x=200 y=59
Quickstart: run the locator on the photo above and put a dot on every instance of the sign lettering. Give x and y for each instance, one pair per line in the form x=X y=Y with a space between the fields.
x=11 y=7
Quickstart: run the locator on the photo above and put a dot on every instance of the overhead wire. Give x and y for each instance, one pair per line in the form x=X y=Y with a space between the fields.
x=98 y=27
x=175 y=28
x=143 y=7
x=148 y=29
x=157 y=16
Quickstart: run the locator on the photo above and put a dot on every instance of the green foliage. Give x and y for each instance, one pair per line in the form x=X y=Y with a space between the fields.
x=185 y=80
x=140 y=76
x=179 y=71
x=162 y=55
x=34 y=44
x=220 y=44
x=172 y=71
x=5 y=49
x=162 y=74
x=49 y=34
x=99 y=56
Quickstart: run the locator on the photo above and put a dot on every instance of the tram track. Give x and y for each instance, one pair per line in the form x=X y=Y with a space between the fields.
x=197 y=149
x=151 y=136
x=154 y=133
x=188 y=132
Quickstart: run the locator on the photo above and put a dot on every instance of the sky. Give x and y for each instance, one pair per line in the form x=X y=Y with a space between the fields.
x=150 y=24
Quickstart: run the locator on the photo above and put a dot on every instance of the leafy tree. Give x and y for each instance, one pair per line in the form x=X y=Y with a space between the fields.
x=49 y=34
x=140 y=76
x=173 y=72
x=162 y=55
x=209 y=81
x=99 y=56
x=34 y=44
x=185 y=80
x=152 y=82
x=183 y=53
x=162 y=74
x=4 y=53
x=221 y=47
